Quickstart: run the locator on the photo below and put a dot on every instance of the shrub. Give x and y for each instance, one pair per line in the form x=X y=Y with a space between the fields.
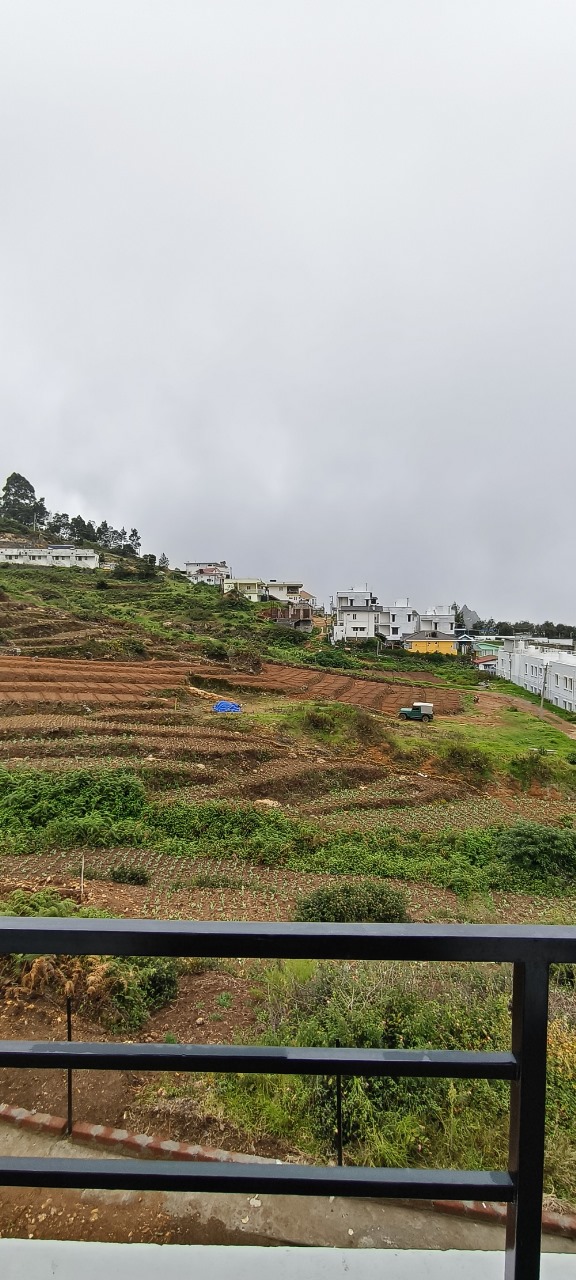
x=319 y=720
x=530 y=768
x=540 y=852
x=124 y=873
x=367 y=901
x=472 y=762
x=33 y=798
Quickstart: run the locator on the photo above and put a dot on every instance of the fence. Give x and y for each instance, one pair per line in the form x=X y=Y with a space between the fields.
x=531 y=951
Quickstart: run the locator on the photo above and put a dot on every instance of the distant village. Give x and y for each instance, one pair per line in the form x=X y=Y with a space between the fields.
x=544 y=667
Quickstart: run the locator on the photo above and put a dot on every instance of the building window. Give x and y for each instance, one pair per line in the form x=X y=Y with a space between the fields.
x=570 y=684
x=355 y=615
x=556 y=680
x=409 y=617
x=394 y=631
x=526 y=668
x=393 y=617
x=565 y=682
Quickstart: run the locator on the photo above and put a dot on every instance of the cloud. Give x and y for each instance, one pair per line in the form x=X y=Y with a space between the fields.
x=295 y=287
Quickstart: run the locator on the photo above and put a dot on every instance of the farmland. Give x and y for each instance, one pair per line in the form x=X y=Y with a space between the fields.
x=121 y=768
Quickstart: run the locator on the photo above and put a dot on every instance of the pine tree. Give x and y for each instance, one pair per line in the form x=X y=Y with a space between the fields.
x=163 y=562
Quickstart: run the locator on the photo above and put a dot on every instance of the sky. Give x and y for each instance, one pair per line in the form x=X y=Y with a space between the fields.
x=293 y=285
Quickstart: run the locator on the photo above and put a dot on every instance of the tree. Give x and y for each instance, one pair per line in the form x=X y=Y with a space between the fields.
x=59 y=525
x=103 y=534
x=78 y=529
x=163 y=562
x=135 y=540
x=148 y=569
x=19 y=502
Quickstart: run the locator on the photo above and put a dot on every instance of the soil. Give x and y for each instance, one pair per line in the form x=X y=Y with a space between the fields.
x=28 y=680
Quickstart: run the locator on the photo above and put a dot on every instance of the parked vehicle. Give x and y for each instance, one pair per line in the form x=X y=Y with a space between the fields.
x=418 y=711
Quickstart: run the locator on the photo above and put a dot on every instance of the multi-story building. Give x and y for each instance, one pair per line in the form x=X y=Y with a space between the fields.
x=397 y=620
x=213 y=573
x=356 y=611
x=62 y=557
x=538 y=668
x=439 y=618
x=254 y=589
x=285 y=592
x=359 y=616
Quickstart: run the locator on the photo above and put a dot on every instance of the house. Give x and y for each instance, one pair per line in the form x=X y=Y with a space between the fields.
x=296 y=616
x=306 y=597
x=255 y=589
x=539 y=669
x=487 y=662
x=62 y=557
x=397 y=620
x=213 y=573
x=431 y=642
x=356 y=611
x=284 y=591
x=438 y=618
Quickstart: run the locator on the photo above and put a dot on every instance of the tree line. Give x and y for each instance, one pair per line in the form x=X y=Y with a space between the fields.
x=19 y=506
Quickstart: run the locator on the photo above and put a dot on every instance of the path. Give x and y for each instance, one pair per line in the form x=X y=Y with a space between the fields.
x=202 y=1218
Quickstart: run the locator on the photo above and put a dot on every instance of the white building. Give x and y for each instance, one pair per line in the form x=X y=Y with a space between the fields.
x=439 y=617
x=359 y=616
x=255 y=589
x=533 y=666
x=62 y=557
x=396 y=620
x=213 y=573
x=356 y=611
x=287 y=592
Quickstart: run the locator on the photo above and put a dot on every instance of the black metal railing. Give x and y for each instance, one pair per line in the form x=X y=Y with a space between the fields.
x=531 y=951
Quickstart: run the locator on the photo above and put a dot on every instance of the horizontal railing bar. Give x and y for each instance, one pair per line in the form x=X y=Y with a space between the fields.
x=284 y=1060
x=278 y=1179
x=510 y=943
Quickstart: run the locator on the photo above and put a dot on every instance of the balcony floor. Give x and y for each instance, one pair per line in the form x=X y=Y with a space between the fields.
x=67 y=1260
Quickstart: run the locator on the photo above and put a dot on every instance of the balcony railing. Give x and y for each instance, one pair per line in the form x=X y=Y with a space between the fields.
x=531 y=951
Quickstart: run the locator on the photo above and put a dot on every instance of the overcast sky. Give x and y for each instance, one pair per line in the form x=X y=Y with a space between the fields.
x=294 y=285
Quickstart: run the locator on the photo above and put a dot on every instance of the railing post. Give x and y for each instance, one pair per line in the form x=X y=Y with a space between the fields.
x=69 y=1071
x=527 y=1120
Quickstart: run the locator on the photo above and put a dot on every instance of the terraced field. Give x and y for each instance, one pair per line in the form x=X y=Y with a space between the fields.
x=26 y=680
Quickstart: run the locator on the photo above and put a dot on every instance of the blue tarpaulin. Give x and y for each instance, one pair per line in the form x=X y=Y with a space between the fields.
x=223 y=705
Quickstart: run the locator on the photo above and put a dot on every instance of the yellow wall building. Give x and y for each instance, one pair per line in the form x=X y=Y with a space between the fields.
x=431 y=642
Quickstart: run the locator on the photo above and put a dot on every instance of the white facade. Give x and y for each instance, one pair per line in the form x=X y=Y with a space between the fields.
x=253 y=588
x=356 y=611
x=396 y=620
x=533 y=666
x=286 y=592
x=439 y=617
x=359 y=616
x=211 y=572
x=63 y=557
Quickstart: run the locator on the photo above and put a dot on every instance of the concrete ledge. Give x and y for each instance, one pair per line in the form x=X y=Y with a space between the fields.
x=123 y=1141
x=44 y=1259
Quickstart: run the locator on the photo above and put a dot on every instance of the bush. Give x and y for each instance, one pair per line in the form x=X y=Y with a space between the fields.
x=530 y=768
x=34 y=798
x=365 y=902
x=541 y=852
x=472 y=762
x=124 y=873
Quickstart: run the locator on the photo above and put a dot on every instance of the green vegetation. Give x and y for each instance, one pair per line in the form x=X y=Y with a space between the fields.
x=81 y=809
x=407 y=1121
x=366 y=901
x=125 y=873
x=121 y=991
